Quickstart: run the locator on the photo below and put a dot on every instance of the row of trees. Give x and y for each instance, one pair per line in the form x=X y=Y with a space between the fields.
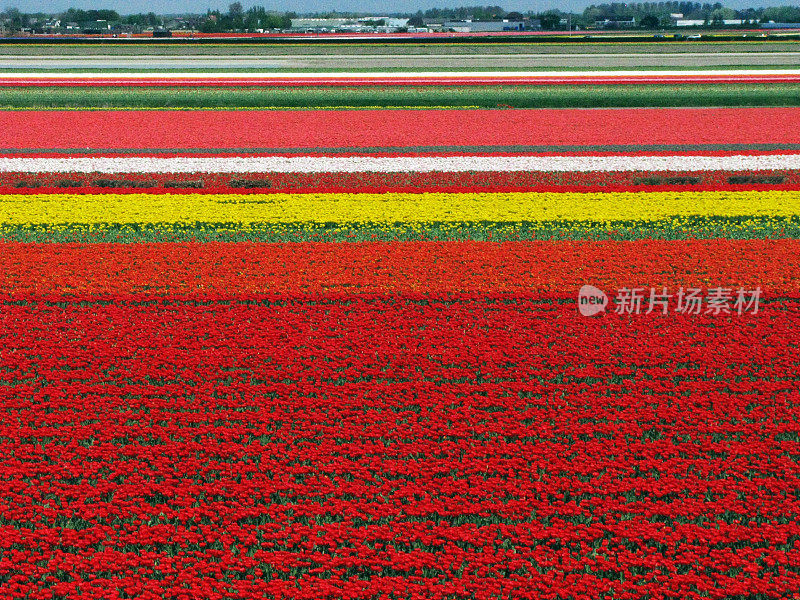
x=236 y=19
x=17 y=20
x=646 y=14
x=76 y=15
x=252 y=19
x=660 y=11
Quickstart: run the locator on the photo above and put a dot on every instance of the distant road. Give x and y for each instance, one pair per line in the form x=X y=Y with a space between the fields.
x=366 y=62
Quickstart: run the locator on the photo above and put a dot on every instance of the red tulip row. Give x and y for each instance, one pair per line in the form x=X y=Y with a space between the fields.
x=415 y=182
x=394 y=130
x=223 y=269
x=362 y=80
x=468 y=446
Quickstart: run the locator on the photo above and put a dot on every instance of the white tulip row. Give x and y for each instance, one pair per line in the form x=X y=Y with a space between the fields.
x=398 y=164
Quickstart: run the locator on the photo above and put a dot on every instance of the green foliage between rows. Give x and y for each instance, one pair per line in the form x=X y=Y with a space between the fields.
x=668 y=229
x=522 y=96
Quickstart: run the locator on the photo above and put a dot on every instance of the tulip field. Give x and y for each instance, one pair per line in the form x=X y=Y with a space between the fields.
x=339 y=352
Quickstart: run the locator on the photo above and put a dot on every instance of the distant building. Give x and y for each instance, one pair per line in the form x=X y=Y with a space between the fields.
x=366 y=24
x=321 y=23
x=702 y=22
x=95 y=26
x=395 y=22
x=689 y=22
x=615 y=23
x=467 y=26
x=774 y=25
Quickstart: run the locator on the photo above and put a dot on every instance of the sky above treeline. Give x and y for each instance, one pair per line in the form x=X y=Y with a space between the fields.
x=303 y=6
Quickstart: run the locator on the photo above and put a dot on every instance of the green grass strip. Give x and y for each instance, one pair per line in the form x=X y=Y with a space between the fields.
x=523 y=96
x=788 y=62
x=668 y=229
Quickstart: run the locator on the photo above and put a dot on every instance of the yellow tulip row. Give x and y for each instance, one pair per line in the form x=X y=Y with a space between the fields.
x=389 y=208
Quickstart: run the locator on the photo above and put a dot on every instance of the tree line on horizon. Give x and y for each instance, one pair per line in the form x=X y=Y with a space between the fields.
x=646 y=14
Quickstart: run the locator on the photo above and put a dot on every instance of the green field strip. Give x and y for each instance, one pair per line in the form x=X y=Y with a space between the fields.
x=389 y=69
x=498 y=96
x=685 y=228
